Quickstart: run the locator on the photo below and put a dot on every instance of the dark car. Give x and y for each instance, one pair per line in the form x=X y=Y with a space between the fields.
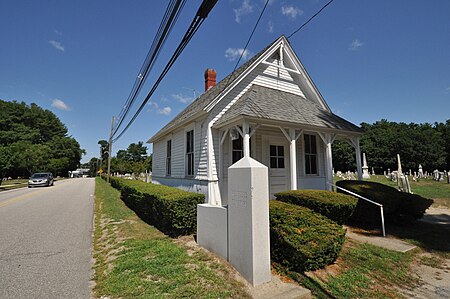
x=41 y=179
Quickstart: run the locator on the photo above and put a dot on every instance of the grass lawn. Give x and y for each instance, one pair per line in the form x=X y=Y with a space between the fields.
x=367 y=271
x=135 y=260
x=13 y=184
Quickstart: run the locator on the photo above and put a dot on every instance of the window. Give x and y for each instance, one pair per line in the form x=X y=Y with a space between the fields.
x=190 y=153
x=310 y=154
x=276 y=156
x=238 y=149
x=169 y=158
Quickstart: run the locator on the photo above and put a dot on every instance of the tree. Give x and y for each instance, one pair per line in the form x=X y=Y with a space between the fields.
x=136 y=152
x=35 y=140
x=423 y=144
x=132 y=160
x=104 y=149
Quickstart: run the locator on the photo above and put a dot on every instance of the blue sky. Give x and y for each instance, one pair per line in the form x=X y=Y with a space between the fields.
x=79 y=59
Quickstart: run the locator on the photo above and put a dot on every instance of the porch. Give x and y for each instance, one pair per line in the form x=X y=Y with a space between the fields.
x=297 y=156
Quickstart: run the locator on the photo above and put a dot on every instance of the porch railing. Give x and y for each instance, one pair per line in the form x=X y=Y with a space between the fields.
x=366 y=199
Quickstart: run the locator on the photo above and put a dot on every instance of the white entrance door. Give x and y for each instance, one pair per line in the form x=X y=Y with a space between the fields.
x=277 y=159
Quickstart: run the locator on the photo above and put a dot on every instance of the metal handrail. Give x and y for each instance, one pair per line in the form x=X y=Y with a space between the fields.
x=366 y=199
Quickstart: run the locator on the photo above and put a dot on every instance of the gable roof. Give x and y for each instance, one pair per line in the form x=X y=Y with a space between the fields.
x=271 y=104
x=198 y=106
x=203 y=104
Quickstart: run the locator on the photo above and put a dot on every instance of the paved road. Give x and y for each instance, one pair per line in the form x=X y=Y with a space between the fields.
x=46 y=240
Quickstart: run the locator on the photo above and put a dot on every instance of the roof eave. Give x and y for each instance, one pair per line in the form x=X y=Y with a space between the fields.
x=280 y=123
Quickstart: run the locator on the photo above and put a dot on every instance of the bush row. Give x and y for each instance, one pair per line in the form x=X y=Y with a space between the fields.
x=301 y=239
x=335 y=206
x=396 y=205
x=171 y=210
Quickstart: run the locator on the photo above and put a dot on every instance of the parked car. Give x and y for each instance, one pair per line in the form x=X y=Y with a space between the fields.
x=41 y=179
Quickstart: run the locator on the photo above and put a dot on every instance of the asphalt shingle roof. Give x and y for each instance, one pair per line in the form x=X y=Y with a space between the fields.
x=203 y=100
x=267 y=103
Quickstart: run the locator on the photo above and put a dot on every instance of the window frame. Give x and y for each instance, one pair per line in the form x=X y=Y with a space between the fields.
x=241 y=140
x=169 y=157
x=311 y=154
x=277 y=157
x=189 y=153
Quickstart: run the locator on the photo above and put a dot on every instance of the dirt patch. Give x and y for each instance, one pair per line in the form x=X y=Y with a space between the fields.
x=434 y=281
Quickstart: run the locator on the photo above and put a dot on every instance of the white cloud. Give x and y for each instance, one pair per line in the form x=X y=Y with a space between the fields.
x=291 y=11
x=270 y=26
x=355 y=45
x=245 y=9
x=447 y=90
x=165 y=111
x=181 y=98
x=56 y=31
x=233 y=54
x=56 y=45
x=58 y=104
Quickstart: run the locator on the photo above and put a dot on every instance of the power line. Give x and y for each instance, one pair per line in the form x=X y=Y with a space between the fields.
x=251 y=35
x=309 y=20
x=198 y=20
x=246 y=44
x=169 y=19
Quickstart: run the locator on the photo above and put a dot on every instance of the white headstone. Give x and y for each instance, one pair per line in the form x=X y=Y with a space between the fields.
x=365 y=168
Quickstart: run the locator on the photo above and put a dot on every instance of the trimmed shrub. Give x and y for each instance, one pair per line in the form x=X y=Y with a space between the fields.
x=395 y=203
x=171 y=210
x=335 y=206
x=301 y=239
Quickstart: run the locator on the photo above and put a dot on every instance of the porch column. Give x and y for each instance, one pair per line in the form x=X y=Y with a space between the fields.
x=292 y=138
x=246 y=137
x=355 y=142
x=293 y=156
x=328 y=139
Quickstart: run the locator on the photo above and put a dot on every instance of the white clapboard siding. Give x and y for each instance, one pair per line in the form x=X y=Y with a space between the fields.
x=159 y=158
x=178 y=153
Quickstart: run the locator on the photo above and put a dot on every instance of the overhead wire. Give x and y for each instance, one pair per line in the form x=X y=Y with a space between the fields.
x=310 y=19
x=169 y=19
x=196 y=23
x=247 y=43
x=251 y=34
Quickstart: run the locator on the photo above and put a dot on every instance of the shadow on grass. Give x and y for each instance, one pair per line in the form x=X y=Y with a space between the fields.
x=429 y=235
x=314 y=286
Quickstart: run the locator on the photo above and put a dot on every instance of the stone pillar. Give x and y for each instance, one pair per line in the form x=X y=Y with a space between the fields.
x=248 y=220
x=293 y=157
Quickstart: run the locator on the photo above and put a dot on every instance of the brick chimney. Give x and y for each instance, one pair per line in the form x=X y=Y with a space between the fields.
x=210 y=78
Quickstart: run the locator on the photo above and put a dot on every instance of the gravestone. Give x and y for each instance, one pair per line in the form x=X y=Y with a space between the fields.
x=248 y=220
x=365 y=168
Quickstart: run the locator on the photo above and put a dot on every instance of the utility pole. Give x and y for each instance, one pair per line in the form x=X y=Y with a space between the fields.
x=110 y=149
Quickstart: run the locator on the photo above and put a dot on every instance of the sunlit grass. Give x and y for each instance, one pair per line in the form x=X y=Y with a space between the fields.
x=135 y=260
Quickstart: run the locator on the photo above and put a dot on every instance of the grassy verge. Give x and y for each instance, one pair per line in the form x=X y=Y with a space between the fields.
x=362 y=271
x=135 y=260
x=13 y=184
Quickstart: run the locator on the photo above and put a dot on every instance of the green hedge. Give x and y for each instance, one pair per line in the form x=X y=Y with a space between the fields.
x=396 y=205
x=335 y=206
x=301 y=239
x=171 y=210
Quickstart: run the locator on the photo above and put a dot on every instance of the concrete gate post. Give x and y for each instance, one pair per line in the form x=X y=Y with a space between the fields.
x=248 y=220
